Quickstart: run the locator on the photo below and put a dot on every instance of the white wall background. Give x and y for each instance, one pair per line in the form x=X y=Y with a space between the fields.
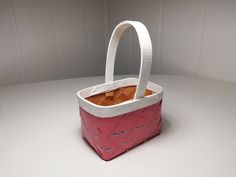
x=54 y=39
x=50 y=39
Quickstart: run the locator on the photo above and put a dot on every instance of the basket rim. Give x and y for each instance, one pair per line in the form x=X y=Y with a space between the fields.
x=121 y=108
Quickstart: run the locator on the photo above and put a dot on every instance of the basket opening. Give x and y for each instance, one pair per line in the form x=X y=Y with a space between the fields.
x=116 y=96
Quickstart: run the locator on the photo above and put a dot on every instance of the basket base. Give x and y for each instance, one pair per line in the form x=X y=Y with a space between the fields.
x=105 y=159
x=113 y=136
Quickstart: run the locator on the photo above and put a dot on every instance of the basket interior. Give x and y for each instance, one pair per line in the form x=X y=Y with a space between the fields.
x=116 y=96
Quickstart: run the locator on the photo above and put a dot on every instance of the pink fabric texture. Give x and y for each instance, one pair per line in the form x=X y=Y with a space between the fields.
x=112 y=136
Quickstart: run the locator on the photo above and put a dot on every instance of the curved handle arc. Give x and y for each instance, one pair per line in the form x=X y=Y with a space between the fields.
x=145 y=51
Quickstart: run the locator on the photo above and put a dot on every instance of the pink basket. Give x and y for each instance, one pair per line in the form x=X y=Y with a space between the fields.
x=112 y=130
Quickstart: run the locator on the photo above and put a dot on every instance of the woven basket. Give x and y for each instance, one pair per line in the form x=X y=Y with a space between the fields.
x=118 y=115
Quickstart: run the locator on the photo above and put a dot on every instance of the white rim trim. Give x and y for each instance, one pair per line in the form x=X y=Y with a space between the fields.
x=122 y=108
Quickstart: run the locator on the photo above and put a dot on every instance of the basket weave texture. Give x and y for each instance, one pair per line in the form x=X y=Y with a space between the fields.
x=114 y=136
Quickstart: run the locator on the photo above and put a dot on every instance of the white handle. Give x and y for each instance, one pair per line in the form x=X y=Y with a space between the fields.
x=145 y=50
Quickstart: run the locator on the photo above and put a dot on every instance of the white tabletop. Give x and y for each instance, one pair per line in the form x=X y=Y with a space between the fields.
x=40 y=132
